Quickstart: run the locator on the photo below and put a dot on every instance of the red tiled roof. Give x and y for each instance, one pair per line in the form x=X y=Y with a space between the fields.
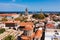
x=49 y=25
x=32 y=35
x=22 y=23
x=28 y=25
x=10 y=22
x=38 y=33
x=25 y=38
x=7 y=14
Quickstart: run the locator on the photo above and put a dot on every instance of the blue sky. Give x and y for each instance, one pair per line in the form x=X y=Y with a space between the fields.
x=32 y=5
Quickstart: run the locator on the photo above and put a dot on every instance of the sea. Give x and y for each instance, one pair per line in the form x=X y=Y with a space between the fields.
x=31 y=12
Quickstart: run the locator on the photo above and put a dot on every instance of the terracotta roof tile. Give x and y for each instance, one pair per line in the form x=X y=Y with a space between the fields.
x=7 y=14
x=28 y=25
x=22 y=23
x=38 y=33
x=32 y=35
x=49 y=25
x=25 y=38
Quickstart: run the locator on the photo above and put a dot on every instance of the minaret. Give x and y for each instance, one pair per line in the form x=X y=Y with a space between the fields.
x=26 y=12
x=41 y=11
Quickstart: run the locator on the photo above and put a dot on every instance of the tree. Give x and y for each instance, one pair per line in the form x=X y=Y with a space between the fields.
x=35 y=16
x=38 y=16
x=9 y=37
x=24 y=19
x=2 y=30
x=20 y=14
x=4 y=19
x=41 y=16
x=17 y=19
x=46 y=15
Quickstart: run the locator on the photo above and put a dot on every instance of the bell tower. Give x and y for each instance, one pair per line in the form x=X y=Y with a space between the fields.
x=26 y=12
